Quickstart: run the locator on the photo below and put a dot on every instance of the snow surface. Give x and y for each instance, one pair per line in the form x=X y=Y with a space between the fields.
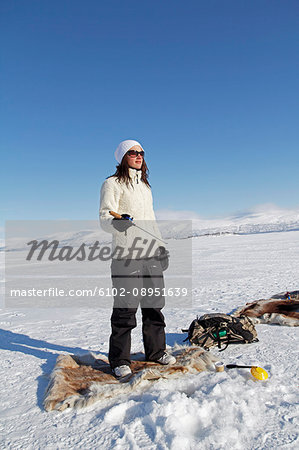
x=209 y=410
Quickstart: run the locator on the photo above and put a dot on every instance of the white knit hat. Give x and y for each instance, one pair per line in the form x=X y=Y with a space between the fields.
x=123 y=147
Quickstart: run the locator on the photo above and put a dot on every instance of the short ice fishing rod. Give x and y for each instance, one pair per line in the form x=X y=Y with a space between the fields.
x=118 y=216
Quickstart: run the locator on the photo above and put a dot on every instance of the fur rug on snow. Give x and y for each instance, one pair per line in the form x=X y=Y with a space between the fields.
x=79 y=381
x=276 y=310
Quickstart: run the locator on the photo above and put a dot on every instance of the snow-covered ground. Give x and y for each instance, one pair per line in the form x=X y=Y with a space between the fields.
x=209 y=410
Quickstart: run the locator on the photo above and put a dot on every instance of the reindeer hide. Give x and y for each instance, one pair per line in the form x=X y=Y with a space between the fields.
x=276 y=310
x=79 y=381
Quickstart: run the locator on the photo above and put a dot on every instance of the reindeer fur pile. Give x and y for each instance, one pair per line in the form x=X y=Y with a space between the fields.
x=276 y=310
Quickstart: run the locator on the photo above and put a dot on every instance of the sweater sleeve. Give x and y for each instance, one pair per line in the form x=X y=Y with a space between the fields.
x=109 y=201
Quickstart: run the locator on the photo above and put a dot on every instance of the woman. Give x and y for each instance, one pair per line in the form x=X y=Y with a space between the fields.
x=138 y=259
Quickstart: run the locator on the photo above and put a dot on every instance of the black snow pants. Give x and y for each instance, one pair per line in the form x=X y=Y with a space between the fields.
x=137 y=282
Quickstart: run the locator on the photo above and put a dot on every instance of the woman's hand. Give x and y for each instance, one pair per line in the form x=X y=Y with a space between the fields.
x=122 y=224
x=164 y=257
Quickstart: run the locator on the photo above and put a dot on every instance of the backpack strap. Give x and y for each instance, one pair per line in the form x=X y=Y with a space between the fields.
x=206 y=338
x=227 y=343
x=218 y=337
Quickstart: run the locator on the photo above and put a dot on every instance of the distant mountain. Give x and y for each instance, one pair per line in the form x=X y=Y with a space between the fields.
x=182 y=225
x=250 y=222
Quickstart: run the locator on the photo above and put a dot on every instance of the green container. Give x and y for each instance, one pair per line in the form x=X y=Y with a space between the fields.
x=222 y=333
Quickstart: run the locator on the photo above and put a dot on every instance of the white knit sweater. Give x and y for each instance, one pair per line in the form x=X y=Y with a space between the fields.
x=136 y=200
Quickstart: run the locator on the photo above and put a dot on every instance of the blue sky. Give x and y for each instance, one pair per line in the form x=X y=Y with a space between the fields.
x=210 y=88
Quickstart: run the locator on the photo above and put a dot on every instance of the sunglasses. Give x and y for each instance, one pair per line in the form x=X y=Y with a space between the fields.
x=135 y=153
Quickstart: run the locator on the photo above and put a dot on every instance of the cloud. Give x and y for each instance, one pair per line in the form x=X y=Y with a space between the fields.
x=271 y=207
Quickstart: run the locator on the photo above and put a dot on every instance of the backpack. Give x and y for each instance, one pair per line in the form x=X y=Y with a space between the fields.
x=210 y=330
